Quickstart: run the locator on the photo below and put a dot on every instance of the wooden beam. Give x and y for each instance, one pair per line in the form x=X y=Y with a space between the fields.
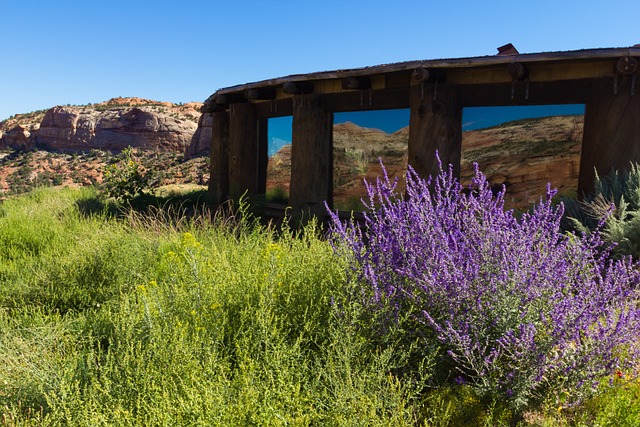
x=421 y=75
x=228 y=98
x=219 y=165
x=340 y=102
x=352 y=83
x=397 y=80
x=275 y=108
x=565 y=92
x=586 y=60
x=265 y=93
x=367 y=100
x=435 y=124
x=311 y=157
x=263 y=155
x=531 y=93
x=243 y=151
x=297 y=88
x=611 y=131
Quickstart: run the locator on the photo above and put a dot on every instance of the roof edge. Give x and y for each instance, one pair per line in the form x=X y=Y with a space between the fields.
x=466 y=62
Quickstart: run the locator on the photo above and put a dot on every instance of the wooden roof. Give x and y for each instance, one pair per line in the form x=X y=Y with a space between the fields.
x=583 y=55
x=551 y=72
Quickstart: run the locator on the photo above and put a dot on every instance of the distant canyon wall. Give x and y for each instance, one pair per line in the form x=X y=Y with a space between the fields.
x=109 y=126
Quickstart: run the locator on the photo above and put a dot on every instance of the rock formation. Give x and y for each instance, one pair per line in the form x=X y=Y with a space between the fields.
x=18 y=137
x=523 y=156
x=112 y=125
x=201 y=141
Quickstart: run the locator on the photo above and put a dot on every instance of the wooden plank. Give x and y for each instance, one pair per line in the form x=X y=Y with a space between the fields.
x=276 y=108
x=567 y=92
x=265 y=93
x=367 y=100
x=435 y=125
x=219 y=165
x=298 y=87
x=243 y=149
x=340 y=102
x=584 y=55
x=401 y=80
x=356 y=83
x=611 y=131
x=311 y=157
x=263 y=155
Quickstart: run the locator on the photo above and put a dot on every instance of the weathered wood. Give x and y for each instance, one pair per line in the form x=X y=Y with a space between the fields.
x=275 y=108
x=507 y=49
x=611 y=131
x=569 y=92
x=352 y=83
x=219 y=165
x=627 y=65
x=243 y=149
x=421 y=74
x=517 y=71
x=435 y=125
x=367 y=100
x=311 y=157
x=265 y=93
x=340 y=102
x=397 y=80
x=228 y=98
x=297 y=88
x=263 y=155
x=587 y=60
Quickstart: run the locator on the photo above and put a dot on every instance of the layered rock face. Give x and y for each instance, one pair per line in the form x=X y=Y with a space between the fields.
x=18 y=137
x=70 y=128
x=112 y=126
x=201 y=141
x=523 y=156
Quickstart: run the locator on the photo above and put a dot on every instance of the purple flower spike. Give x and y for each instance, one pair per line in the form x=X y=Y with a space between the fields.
x=515 y=304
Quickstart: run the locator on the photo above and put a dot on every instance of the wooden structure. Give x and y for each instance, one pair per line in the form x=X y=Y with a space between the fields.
x=435 y=91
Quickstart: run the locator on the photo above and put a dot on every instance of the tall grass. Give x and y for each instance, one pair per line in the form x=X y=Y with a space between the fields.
x=145 y=321
x=165 y=319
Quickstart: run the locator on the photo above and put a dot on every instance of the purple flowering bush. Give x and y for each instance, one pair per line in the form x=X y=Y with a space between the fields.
x=518 y=310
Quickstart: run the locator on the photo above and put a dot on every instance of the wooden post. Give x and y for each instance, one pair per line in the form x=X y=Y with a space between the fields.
x=434 y=124
x=243 y=151
x=263 y=155
x=311 y=157
x=219 y=165
x=611 y=131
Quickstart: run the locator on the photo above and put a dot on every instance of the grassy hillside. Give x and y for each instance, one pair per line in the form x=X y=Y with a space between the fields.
x=21 y=171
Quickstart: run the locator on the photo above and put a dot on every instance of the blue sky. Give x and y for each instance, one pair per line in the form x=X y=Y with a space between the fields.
x=78 y=52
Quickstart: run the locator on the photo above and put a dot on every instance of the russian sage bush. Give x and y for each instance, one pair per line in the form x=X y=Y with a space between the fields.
x=520 y=311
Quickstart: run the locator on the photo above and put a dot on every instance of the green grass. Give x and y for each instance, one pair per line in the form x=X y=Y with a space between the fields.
x=147 y=318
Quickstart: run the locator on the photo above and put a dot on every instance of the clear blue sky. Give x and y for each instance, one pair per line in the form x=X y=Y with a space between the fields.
x=78 y=52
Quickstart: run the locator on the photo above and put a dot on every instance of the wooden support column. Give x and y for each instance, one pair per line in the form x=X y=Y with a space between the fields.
x=611 y=131
x=219 y=165
x=434 y=124
x=311 y=157
x=263 y=155
x=243 y=150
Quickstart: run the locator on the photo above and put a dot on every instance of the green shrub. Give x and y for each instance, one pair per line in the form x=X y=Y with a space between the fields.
x=614 y=205
x=123 y=178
